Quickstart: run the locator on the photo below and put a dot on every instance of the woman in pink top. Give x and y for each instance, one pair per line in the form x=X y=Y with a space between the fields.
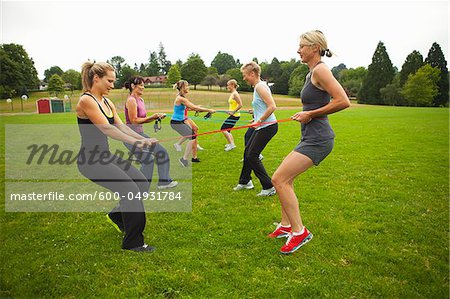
x=136 y=116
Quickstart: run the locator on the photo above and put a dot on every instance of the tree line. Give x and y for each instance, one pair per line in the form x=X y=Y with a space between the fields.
x=420 y=82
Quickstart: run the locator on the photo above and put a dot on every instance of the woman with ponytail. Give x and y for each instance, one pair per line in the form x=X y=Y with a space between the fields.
x=97 y=120
x=179 y=123
x=317 y=136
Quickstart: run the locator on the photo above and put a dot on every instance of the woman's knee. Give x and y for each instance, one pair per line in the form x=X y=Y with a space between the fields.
x=279 y=181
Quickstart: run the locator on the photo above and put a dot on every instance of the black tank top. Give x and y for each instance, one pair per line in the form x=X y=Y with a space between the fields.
x=91 y=136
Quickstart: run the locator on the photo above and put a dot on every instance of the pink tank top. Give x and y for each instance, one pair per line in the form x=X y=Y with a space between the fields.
x=141 y=112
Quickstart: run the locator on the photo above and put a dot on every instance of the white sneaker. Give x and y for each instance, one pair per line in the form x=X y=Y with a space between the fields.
x=227 y=145
x=247 y=186
x=177 y=147
x=230 y=147
x=267 y=192
x=169 y=185
x=199 y=147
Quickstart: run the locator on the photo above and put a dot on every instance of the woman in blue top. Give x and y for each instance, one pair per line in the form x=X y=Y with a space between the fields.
x=178 y=121
x=265 y=128
x=317 y=136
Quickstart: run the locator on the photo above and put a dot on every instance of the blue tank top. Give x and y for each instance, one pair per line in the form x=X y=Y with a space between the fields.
x=314 y=98
x=259 y=106
x=178 y=112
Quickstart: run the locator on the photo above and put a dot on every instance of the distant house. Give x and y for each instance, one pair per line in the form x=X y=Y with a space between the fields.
x=155 y=80
x=43 y=85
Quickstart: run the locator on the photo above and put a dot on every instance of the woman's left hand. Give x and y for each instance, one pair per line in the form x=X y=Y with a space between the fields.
x=303 y=117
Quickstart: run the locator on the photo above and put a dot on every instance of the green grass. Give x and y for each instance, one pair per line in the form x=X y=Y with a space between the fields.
x=378 y=207
x=154 y=98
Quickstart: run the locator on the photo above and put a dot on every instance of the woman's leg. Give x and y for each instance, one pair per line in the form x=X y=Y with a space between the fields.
x=119 y=176
x=283 y=178
x=256 y=145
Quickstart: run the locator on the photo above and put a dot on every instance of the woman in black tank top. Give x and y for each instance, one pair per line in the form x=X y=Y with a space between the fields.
x=97 y=120
x=317 y=137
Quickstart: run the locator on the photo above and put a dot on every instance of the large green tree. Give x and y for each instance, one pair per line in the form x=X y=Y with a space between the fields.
x=73 y=78
x=153 y=68
x=126 y=72
x=223 y=62
x=164 y=64
x=413 y=62
x=422 y=87
x=351 y=79
x=336 y=71
x=55 y=85
x=48 y=73
x=117 y=62
x=379 y=74
x=194 y=70
x=297 y=80
x=437 y=60
x=17 y=71
x=174 y=74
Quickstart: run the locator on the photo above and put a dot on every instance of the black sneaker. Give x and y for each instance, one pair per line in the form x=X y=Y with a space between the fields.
x=195 y=160
x=144 y=248
x=183 y=162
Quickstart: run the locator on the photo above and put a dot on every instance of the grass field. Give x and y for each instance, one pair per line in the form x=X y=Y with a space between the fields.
x=154 y=98
x=378 y=207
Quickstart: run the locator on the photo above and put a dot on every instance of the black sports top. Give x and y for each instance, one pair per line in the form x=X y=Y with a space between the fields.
x=91 y=136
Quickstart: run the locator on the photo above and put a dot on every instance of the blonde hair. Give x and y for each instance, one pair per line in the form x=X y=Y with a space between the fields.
x=89 y=69
x=180 y=84
x=316 y=37
x=234 y=82
x=251 y=67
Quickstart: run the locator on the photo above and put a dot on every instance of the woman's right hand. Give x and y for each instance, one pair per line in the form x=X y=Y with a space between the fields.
x=146 y=143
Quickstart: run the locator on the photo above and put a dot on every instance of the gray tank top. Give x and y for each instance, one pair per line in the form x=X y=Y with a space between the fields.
x=313 y=98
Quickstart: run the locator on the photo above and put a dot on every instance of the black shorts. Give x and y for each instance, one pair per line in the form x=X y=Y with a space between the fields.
x=230 y=122
x=182 y=128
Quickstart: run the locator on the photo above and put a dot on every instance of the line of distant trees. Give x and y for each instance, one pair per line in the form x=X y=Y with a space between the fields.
x=420 y=82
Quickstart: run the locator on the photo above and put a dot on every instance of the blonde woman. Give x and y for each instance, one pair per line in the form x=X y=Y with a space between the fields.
x=179 y=123
x=97 y=120
x=317 y=136
x=234 y=105
x=266 y=127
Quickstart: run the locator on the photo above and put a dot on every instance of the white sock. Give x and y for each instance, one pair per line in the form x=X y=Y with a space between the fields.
x=299 y=233
x=286 y=226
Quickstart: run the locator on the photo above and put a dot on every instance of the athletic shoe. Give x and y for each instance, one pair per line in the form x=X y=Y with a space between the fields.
x=144 y=248
x=199 y=147
x=227 y=145
x=183 y=162
x=248 y=186
x=267 y=192
x=280 y=232
x=295 y=242
x=169 y=185
x=177 y=147
x=195 y=160
x=230 y=147
x=118 y=227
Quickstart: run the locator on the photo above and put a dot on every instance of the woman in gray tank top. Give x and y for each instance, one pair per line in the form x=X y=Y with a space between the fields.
x=317 y=136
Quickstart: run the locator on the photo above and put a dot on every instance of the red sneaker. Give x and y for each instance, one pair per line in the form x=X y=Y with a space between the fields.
x=280 y=232
x=295 y=242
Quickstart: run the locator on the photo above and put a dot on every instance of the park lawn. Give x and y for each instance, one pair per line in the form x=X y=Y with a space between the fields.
x=154 y=98
x=377 y=206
